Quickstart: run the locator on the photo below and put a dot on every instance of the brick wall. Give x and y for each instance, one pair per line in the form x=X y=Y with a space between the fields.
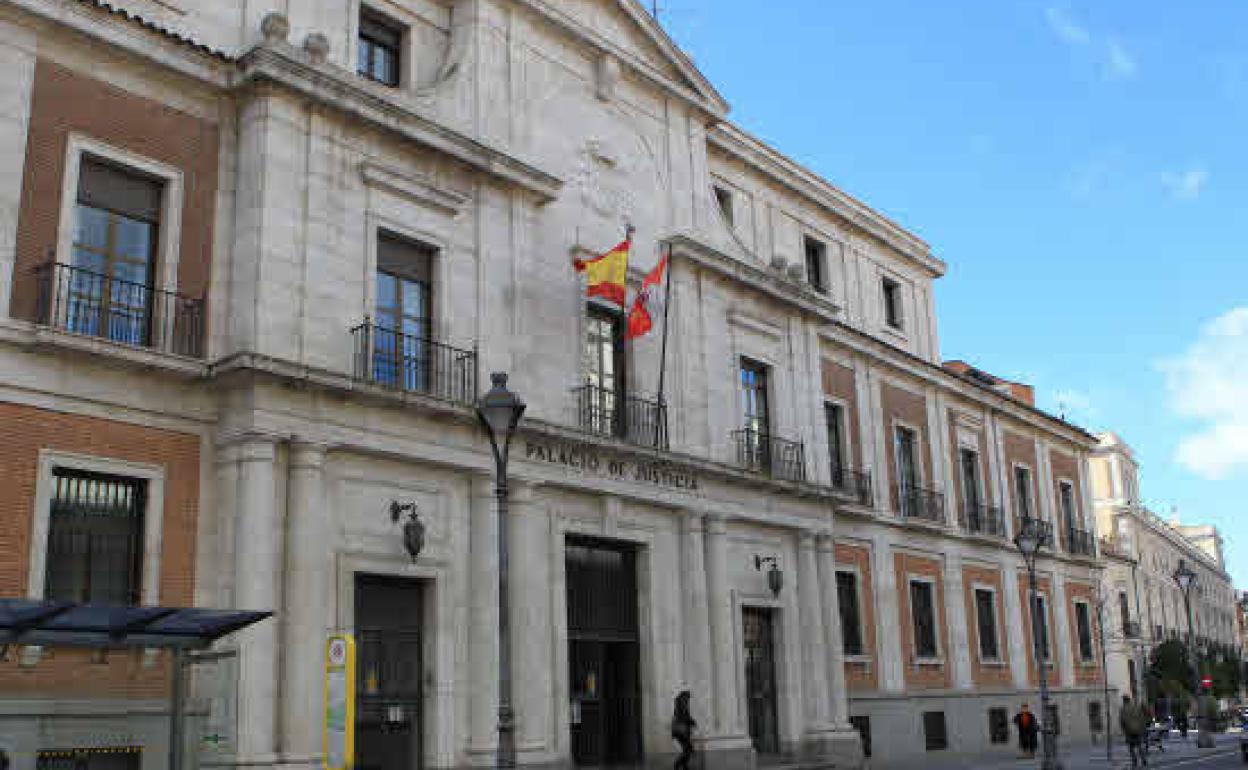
x=1086 y=672
x=925 y=676
x=956 y=496
x=911 y=409
x=862 y=676
x=65 y=102
x=1021 y=449
x=1042 y=586
x=24 y=431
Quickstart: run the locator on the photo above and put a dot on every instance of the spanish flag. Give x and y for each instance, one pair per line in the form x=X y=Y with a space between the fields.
x=606 y=276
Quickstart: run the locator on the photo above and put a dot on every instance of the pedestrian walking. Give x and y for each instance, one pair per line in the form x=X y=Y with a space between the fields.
x=1133 y=719
x=1028 y=729
x=683 y=725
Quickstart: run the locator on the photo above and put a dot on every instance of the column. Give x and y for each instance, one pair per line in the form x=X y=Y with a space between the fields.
x=697 y=632
x=1062 y=636
x=532 y=637
x=833 y=648
x=723 y=649
x=887 y=615
x=1020 y=645
x=17 y=54
x=814 y=635
x=956 y=621
x=309 y=587
x=483 y=622
x=258 y=567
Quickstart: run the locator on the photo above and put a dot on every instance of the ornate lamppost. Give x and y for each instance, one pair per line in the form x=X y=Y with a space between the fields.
x=500 y=411
x=1186 y=580
x=1032 y=535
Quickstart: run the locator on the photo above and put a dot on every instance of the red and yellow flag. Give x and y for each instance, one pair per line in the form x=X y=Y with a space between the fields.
x=649 y=302
x=606 y=276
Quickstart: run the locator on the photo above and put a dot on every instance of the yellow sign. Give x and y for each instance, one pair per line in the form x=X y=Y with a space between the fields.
x=340 y=702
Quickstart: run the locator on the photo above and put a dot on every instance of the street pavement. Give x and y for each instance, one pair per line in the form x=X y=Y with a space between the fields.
x=1178 y=754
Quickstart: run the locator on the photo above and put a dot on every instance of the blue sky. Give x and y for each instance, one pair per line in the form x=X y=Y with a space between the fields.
x=1081 y=166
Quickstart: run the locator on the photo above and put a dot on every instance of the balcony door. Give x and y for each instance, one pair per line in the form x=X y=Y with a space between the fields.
x=106 y=290
x=602 y=396
x=402 y=350
x=755 y=415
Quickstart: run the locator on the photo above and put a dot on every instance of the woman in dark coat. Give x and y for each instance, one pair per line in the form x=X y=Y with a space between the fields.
x=683 y=725
x=1028 y=729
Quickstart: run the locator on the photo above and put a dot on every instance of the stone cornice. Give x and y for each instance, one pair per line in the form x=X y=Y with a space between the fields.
x=285 y=66
x=786 y=172
x=778 y=287
x=701 y=96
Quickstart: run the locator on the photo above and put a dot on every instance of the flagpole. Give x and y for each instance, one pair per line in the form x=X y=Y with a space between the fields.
x=667 y=307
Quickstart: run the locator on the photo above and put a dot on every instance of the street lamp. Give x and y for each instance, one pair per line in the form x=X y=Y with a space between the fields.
x=1032 y=535
x=1186 y=579
x=500 y=411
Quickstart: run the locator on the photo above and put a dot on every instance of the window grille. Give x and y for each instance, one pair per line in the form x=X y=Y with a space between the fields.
x=95 y=538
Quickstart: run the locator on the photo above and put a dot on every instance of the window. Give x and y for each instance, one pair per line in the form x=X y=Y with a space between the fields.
x=904 y=441
x=755 y=445
x=1066 y=498
x=402 y=348
x=923 y=615
x=851 y=620
x=935 y=735
x=1022 y=491
x=1040 y=626
x=816 y=264
x=1083 y=625
x=1096 y=721
x=892 y=303
x=998 y=725
x=95 y=538
x=834 y=416
x=1124 y=611
x=863 y=725
x=377 y=49
x=604 y=371
x=723 y=197
x=107 y=292
x=968 y=462
x=1135 y=690
x=986 y=617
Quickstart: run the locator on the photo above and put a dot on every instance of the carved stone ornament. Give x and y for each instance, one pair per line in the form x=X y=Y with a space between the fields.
x=317 y=46
x=796 y=273
x=778 y=262
x=607 y=73
x=275 y=27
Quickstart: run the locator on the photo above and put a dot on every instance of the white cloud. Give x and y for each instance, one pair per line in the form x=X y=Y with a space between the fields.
x=1186 y=185
x=1119 y=64
x=1067 y=29
x=1208 y=384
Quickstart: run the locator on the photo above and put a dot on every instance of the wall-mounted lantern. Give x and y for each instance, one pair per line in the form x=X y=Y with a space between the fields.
x=775 y=578
x=413 y=528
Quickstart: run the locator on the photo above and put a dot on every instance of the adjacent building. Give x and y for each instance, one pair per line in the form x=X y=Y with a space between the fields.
x=1144 y=605
x=257 y=262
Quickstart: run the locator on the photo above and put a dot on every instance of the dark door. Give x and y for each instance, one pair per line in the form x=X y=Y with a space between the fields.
x=388 y=710
x=603 y=654
x=760 y=678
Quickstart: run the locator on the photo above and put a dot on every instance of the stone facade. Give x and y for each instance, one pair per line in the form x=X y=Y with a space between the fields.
x=1144 y=604
x=521 y=133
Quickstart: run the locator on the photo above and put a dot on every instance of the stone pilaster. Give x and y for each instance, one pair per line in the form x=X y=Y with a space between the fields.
x=483 y=623
x=532 y=637
x=1021 y=647
x=697 y=659
x=814 y=659
x=833 y=646
x=888 y=616
x=958 y=624
x=726 y=744
x=309 y=587
x=258 y=566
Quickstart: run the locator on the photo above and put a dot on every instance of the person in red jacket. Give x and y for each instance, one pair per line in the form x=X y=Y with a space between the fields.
x=1028 y=729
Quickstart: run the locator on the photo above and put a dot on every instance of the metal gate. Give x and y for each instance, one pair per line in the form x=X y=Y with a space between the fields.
x=388 y=681
x=760 y=678
x=603 y=654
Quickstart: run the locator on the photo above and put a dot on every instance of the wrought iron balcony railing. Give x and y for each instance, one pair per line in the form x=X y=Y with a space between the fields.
x=855 y=484
x=1080 y=542
x=98 y=305
x=607 y=412
x=1131 y=629
x=984 y=520
x=414 y=364
x=919 y=503
x=775 y=457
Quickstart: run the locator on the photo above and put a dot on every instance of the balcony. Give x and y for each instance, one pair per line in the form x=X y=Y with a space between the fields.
x=1080 y=542
x=1040 y=526
x=98 y=305
x=605 y=412
x=984 y=520
x=1130 y=629
x=771 y=456
x=919 y=504
x=414 y=364
x=854 y=484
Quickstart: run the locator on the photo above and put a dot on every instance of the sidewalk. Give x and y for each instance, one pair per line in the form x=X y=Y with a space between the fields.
x=1091 y=757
